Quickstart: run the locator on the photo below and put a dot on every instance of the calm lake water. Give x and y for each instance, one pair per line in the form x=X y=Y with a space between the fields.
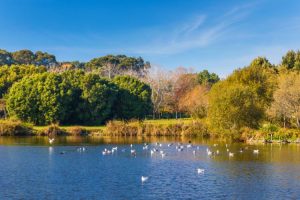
x=32 y=169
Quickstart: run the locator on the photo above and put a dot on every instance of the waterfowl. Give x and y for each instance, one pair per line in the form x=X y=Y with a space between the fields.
x=231 y=154
x=81 y=149
x=106 y=152
x=188 y=146
x=200 y=171
x=255 y=151
x=208 y=152
x=144 y=178
x=51 y=140
x=145 y=147
x=151 y=152
x=115 y=148
x=180 y=149
x=132 y=151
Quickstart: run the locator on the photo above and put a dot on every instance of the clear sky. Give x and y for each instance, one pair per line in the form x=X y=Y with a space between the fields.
x=215 y=35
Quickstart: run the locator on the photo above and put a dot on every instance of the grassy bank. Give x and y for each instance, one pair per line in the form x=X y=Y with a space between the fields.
x=180 y=127
x=15 y=128
x=160 y=127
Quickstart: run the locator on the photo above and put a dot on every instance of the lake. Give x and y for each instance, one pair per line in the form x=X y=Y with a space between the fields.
x=30 y=168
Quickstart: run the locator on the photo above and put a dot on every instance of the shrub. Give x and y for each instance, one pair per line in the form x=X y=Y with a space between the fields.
x=54 y=130
x=15 y=128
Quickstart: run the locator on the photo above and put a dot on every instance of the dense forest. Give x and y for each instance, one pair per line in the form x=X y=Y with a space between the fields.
x=36 y=88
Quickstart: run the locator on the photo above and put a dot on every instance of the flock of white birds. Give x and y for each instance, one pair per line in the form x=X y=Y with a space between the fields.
x=179 y=147
x=157 y=149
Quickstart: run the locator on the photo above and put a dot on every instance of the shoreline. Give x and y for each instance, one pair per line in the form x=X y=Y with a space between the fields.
x=185 y=127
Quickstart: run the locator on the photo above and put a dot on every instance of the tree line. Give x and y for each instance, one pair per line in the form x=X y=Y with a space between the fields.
x=75 y=97
x=121 y=87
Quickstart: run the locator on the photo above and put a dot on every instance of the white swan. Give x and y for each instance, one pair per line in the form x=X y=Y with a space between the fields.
x=231 y=154
x=208 y=152
x=200 y=171
x=145 y=147
x=133 y=152
x=144 y=178
x=106 y=152
x=255 y=151
x=51 y=140
x=151 y=152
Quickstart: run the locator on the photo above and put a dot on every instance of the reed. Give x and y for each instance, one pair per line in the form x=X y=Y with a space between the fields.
x=141 y=128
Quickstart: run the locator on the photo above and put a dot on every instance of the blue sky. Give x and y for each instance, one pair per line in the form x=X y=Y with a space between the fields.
x=215 y=35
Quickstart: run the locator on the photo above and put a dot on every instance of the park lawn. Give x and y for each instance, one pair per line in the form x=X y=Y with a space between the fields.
x=89 y=128
x=168 y=121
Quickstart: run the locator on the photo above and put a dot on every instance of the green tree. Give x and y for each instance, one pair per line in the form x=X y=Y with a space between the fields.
x=207 y=78
x=291 y=60
x=242 y=99
x=45 y=59
x=14 y=73
x=26 y=57
x=134 y=98
x=233 y=106
x=111 y=65
x=37 y=99
x=99 y=96
x=5 y=58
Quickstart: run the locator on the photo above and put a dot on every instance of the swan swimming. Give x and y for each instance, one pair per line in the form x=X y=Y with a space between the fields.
x=256 y=151
x=231 y=154
x=145 y=147
x=51 y=140
x=144 y=178
x=200 y=171
x=208 y=152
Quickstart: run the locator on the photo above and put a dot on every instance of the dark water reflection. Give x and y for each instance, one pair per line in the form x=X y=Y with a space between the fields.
x=32 y=169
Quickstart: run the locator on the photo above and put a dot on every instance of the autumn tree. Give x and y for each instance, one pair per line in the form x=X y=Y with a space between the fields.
x=195 y=102
x=242 y=99
x=286 y=105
